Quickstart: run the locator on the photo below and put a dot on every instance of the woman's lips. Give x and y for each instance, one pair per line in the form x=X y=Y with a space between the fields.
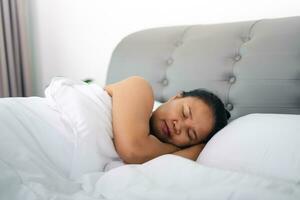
x=165 y=129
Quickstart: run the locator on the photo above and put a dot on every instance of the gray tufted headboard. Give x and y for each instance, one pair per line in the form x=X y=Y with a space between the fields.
x=253 y=66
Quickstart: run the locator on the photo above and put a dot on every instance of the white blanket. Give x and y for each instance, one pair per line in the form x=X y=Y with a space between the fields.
x=86 y=108
x=34 y=157
x=177 y=178
x=65 y=135
x=60 y=147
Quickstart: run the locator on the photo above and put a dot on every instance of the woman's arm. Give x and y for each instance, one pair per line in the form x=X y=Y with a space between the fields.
x=190 y=152
x=132 y=103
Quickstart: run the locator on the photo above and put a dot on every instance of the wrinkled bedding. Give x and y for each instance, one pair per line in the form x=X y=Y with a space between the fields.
x=60 y=147
x=174 y=177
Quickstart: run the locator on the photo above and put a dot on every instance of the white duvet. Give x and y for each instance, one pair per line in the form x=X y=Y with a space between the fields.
x=60 y=147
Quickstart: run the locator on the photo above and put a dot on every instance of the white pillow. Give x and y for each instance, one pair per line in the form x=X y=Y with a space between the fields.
x=262 y=144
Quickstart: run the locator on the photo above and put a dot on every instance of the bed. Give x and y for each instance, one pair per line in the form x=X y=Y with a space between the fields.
x=253 y=66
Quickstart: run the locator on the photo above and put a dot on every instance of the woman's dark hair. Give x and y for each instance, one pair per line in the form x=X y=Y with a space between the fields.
x=221 y=115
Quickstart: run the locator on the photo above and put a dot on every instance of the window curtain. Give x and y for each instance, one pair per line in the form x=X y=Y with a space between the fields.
x=15 y=79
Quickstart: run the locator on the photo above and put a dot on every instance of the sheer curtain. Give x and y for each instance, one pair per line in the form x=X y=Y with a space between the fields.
x=15 y=78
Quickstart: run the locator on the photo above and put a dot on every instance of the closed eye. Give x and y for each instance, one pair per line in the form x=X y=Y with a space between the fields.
x=190 y=138
x=191 y=135
x=183 y=114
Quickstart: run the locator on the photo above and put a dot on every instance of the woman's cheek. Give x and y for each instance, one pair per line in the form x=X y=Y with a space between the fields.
x=180 y=141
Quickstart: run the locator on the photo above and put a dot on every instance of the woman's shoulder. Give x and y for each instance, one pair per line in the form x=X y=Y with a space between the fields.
x=135 y=83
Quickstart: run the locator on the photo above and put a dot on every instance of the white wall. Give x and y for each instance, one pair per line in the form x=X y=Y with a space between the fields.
x=75 y=38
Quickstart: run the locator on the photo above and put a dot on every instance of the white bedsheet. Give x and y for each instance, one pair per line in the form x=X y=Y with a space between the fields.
x=174 y=177
x=86 y=108
x=45 y=139
x=166 y=177
x=37 y=161
x=34 y=157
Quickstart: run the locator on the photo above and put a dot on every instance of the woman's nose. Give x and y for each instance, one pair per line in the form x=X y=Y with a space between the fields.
x=181 y=126
x=178 y=127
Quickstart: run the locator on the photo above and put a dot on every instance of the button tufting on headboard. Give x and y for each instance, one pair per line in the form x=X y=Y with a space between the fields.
x=246 y=39
x=178 y=43
x=229 y=106
x=232 y=79
x=237 y=57
x=170 y=61
x=262 y=54
x=165 y=82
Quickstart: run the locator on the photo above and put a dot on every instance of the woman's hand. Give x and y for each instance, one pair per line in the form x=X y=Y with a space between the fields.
x=148 y=149
x=191 y=152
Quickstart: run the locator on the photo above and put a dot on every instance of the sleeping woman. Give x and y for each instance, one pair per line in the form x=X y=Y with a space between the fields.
x=81 y=128
x=181 y=126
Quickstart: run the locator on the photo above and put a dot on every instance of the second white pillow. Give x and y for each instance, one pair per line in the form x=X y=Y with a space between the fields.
x=262 y=144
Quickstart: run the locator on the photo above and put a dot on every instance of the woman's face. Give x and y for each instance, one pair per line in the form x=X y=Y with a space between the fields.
x=182 y=121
